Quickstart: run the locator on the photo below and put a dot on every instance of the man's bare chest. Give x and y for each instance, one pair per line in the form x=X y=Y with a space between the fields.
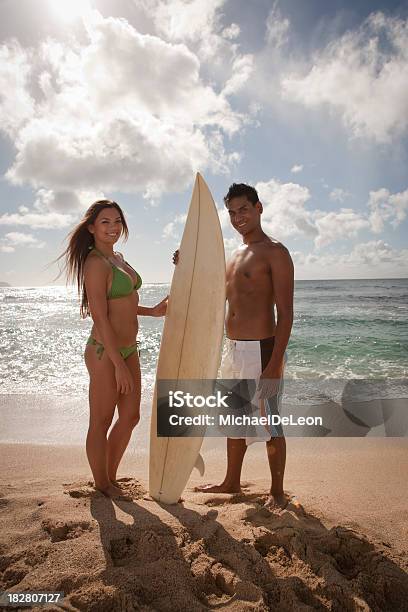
x=248 y=271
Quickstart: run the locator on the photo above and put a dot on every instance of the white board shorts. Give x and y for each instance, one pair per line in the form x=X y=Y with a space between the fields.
x=246 y=359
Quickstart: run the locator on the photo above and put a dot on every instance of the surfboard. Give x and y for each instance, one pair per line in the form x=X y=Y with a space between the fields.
x=192 y=336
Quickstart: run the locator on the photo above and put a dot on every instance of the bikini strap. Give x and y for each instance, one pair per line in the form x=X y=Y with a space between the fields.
x=98 y=252
x=124 y=261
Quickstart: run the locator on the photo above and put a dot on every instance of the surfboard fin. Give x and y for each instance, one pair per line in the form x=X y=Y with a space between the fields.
x=200 y=465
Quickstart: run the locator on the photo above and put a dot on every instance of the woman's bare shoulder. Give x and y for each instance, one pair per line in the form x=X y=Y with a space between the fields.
x=95 y=263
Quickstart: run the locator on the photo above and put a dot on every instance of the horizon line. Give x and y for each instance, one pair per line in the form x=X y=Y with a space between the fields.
x=169 y=282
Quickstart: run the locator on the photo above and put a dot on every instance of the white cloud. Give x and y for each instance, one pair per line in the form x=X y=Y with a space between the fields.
x=196 y=22
x=338 y=194
x=17 y=238
x=277 y=28
x=231 y=31
x=65 y=201
x=231 y=244
x=52 y=210
x=273 y=59
x=16 y=103
x=46 y=220
x=171 y=230
x=297 y=168
x=284 y=209
x=186 y=19
x=122 y=110
x=387 y=207
x=242 y=69
x=304 y=259
x=286 y=213
x=366 y=260
x=199 y=25
x=12 y=240
x=223 y=217
x=363 y=76
x=375 y=253
x=332 y=226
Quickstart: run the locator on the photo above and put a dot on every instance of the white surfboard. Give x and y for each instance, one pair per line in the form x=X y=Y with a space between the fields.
x=192 y=336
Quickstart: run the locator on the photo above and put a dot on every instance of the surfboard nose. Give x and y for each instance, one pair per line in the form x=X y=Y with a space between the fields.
x=201 y=184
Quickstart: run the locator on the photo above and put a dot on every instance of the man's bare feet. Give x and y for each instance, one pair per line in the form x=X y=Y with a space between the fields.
x=222 y=488
x=114 y=492
x=278 y=501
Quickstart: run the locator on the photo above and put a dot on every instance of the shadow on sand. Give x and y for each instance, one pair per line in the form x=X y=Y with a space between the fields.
x=183 y=558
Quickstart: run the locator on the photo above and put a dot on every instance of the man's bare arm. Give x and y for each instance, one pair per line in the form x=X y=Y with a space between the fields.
x=283 y=282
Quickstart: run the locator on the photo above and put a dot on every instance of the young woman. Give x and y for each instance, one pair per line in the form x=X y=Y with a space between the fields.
x=109 y=288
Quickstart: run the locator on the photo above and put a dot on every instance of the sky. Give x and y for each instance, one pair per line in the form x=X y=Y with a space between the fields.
x=128 y=99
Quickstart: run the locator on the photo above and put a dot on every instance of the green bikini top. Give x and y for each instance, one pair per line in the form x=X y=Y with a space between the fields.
x=122 y=283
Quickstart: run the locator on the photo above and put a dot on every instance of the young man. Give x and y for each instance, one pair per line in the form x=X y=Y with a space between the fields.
x=259 y=276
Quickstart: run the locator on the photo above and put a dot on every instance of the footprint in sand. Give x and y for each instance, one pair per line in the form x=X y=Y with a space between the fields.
x=98 y=597
x=65 y=530
x=288 y=503
x=132 y=489
x=143 y=547
x=345 y=564
x=79 y=489
x=14 y=575
x=13 y=568
x=131 y=486
x=222 y=499
x=220 y=585
x=4 y=500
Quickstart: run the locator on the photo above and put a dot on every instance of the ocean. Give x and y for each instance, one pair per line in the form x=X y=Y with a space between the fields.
x=343 y=329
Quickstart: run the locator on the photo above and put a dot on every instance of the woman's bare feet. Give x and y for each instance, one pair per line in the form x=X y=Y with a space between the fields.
x=222 y=488
x=113 y=491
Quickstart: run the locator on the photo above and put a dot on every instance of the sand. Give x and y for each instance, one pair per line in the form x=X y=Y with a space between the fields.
x=344 y=548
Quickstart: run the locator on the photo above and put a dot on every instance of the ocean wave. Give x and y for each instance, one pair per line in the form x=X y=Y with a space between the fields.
x=343 y=390
x=329 y=338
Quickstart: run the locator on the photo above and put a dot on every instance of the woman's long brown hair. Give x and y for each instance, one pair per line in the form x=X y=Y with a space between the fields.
x=80 y=242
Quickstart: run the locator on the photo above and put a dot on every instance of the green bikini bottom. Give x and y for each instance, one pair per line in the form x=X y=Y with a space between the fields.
x=125 y=351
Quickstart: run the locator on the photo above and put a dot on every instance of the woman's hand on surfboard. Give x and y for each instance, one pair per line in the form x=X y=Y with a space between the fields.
x=176 y=257
x=124 y=380
x=160 y=309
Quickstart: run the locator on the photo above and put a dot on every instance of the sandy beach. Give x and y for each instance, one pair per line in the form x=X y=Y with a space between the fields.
x=208 y=198
x=344 y=548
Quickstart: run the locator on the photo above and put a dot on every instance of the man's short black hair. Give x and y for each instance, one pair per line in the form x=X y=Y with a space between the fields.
x=241 y=189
